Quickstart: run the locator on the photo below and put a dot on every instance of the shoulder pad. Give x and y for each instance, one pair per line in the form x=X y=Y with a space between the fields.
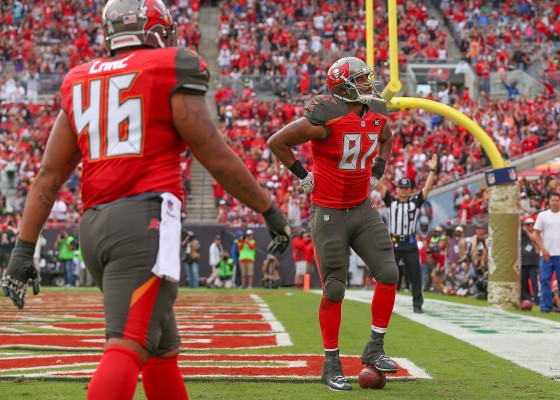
x=192 y=73
x=324 y=108
x=378 y=107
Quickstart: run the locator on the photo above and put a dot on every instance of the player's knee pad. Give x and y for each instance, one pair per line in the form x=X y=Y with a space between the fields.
x=389 y=274
x=334 y=290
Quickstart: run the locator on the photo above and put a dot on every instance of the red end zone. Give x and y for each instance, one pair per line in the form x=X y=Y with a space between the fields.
x=74 y=323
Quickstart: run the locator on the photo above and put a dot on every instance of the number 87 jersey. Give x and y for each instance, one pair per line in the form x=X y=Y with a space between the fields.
x=120 y=110
x=342 y=161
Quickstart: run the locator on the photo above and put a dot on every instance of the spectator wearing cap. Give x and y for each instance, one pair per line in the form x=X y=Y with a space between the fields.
x=547 y=229
x=192 y=257
x=247 y=255
x=216 y=252
x=403 y=215
x=529 y=262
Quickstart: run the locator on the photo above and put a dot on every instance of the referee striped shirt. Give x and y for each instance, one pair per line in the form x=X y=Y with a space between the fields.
x=403 y=215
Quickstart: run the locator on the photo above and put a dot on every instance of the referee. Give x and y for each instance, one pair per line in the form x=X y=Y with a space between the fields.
x=403 y=213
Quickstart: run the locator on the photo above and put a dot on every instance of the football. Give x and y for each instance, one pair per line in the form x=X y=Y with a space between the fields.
x=371 y=378
x=526 y=305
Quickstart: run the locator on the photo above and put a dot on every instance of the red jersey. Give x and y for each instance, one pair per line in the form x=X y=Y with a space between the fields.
x=342 y=161
x=120 y=110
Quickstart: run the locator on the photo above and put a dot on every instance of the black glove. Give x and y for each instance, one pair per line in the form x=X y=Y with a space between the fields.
x=378 y=167
x=20 y=270
x=377 y=170
x=279 y=230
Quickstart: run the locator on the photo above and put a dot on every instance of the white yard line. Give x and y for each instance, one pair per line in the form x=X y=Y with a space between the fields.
x=527 y=341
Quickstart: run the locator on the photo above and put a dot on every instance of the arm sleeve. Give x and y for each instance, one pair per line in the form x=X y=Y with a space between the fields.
x=419 y=199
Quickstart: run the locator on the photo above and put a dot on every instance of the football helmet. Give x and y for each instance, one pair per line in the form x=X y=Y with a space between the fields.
x=129 y=23
x=343 y=80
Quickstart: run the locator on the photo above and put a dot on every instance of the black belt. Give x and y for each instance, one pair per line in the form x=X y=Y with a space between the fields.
x=401 y=238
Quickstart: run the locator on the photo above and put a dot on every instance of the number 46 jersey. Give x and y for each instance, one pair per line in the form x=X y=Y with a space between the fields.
x=120 y=110
x=342 y=161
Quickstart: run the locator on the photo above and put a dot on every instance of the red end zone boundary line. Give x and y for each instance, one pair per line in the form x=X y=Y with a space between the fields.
x=298 y=367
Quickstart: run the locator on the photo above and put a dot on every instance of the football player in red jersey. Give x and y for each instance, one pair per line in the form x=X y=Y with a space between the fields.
x=128 y=119
x=345 y=128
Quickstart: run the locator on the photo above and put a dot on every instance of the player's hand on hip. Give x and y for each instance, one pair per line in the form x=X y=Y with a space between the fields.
x=20 y=271
x=279 y=229
x=308 y=183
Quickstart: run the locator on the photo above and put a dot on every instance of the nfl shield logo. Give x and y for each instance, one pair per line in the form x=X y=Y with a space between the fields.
x=326 y=217
x=491 y=178
x=512 y=174
x=363 y=123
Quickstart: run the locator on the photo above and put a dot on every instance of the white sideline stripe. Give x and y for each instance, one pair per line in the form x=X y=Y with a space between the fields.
x=526 y=341
x=283 y=339
x=414 y=370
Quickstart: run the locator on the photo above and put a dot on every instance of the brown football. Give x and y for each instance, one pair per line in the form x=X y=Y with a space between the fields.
x=371 y=378
x=526 y=305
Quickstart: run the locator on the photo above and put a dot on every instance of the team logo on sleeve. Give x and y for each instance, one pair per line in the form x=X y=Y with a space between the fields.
x=154 y=224
x=376 y=122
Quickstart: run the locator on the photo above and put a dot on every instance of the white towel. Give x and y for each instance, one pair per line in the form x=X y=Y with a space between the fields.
x=168 y=262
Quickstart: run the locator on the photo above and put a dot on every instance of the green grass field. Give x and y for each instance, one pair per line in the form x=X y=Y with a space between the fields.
x=459 y=370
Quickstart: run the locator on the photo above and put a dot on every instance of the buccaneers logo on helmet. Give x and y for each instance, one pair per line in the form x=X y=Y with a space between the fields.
x=129 y=23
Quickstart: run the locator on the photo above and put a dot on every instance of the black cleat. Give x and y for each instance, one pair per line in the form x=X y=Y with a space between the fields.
x=333 y=376
x=418 y=310
x=375 y=356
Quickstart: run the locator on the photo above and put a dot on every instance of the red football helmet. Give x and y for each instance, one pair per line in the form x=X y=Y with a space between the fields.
x=343 y=80
x=129 y=23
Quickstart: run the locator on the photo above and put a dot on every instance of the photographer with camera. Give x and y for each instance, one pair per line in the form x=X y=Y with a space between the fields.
x=66 y=245
x=225 y=272
x=270 y=273
x=478 y=254
x=192 y=255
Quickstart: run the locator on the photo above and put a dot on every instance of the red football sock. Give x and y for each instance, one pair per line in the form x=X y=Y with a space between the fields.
x=162 y=380
x=329 y=320
x=116 y=375
x=382 y=304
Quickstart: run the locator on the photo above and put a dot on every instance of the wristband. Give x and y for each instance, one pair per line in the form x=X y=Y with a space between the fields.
x=433 y=170
x=23 y=246
x=298 y=170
